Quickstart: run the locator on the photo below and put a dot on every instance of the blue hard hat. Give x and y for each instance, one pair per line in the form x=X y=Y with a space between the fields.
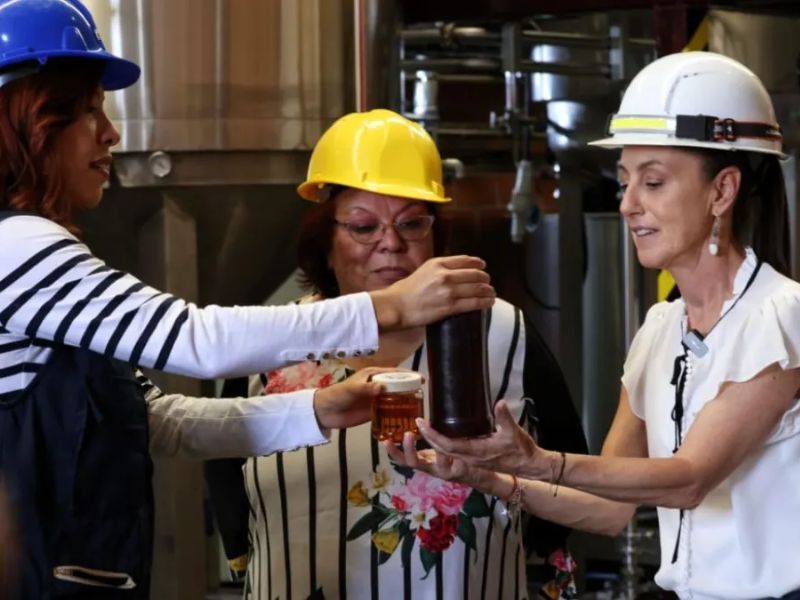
x=34 y=31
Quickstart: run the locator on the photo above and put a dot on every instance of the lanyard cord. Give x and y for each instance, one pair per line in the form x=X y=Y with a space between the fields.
x=679 y=376
x=730 y=308
x=679 y=381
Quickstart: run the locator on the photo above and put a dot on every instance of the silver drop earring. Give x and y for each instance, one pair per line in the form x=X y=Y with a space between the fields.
x=713 y=245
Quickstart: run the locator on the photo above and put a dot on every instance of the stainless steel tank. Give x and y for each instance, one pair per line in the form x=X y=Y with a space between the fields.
x=229 y=74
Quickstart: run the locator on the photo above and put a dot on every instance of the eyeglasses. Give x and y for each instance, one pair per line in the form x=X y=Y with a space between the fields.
x=411 y=229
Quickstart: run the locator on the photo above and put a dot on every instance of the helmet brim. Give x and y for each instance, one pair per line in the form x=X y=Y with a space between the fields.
x=613 y=143
x=312 y=190
x=119 y=73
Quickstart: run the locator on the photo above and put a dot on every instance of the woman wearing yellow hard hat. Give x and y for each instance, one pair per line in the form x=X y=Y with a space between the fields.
x=378 y=151
x=708 y=424
x=342 y=521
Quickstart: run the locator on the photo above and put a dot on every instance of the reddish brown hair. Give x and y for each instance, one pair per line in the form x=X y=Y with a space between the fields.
x=315 y=240
x=34 y=110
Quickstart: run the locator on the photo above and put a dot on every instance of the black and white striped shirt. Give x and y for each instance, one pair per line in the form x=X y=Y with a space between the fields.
x=53 y=290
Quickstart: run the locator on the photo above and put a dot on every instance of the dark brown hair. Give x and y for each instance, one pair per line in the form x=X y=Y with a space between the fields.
x=315 y=240
x=34 y=110
x=760 y=212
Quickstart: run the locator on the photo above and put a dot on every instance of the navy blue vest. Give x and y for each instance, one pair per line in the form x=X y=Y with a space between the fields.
x=74 y=457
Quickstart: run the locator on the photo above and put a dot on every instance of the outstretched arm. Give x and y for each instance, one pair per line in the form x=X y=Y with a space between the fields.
x=571 y=508
x=52 y=288
x=237 y=427
x=727 y=430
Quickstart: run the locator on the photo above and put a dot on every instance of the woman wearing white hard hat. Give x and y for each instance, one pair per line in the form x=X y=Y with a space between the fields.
x=708 y=424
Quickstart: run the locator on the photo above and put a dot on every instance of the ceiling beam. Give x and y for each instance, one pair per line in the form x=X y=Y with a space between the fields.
x=415 y=11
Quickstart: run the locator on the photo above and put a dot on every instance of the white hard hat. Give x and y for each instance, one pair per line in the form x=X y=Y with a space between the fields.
x=696 y=99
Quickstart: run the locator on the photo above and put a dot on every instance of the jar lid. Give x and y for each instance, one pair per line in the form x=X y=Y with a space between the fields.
x=399 y=381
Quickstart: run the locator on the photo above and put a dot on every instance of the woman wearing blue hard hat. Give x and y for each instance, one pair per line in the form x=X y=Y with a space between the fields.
x=74 y=414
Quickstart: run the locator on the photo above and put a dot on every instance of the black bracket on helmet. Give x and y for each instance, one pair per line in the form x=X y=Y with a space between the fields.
x=699 y=127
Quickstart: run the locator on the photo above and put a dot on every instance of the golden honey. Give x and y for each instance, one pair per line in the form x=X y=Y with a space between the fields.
x=394 y=412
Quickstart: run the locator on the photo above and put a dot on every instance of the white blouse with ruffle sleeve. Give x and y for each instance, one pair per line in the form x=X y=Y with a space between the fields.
x=743 y=540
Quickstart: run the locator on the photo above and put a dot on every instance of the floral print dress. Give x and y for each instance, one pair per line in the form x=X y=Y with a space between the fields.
x=343 y=521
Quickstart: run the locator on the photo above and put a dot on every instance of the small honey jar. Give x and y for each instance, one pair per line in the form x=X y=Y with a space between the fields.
x=395 y=410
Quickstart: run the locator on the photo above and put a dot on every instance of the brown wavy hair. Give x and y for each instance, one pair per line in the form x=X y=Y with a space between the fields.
x=34 y=110
x=315 y=240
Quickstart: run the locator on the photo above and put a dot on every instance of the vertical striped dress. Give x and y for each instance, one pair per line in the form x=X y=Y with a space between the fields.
x=340 y=521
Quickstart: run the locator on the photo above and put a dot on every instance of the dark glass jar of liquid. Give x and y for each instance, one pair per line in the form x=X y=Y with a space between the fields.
x=458 y=376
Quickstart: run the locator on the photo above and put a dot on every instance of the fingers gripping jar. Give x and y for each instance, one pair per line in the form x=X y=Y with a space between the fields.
x=395 y=410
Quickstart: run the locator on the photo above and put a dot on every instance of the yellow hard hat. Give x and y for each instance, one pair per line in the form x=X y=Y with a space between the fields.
x=378 y=151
